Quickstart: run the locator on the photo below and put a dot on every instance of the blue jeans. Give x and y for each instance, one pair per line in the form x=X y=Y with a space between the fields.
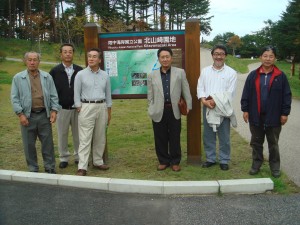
x=210 y=138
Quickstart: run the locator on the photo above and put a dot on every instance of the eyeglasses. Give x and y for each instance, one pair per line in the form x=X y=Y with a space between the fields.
x=222 y=54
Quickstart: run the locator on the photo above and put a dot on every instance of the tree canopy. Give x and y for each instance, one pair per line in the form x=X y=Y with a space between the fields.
x=283 y=34
x=50 y=20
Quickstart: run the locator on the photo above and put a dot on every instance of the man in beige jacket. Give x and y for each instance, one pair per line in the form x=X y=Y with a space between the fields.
x=165 y=86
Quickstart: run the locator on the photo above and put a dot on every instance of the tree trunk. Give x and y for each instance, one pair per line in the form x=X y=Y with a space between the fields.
x=162 y=16
x=27 y=15
x=62 y=8
x=53 y=21
x=127 y=12
x=9 y=18
x=133 y=10
x=12 y=18
x=155 y=8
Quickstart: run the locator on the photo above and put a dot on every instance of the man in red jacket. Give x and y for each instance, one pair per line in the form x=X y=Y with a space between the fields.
x=266 y=103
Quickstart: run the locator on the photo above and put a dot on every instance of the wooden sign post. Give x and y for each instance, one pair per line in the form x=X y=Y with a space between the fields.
x=91 y=37
x=192 y=68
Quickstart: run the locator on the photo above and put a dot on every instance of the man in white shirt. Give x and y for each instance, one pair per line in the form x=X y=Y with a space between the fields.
x=215 y=79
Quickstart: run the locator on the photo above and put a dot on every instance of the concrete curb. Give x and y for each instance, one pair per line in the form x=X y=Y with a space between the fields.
x=239 y=186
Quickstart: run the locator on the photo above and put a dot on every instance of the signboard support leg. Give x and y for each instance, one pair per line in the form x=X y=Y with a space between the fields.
x=192 y=65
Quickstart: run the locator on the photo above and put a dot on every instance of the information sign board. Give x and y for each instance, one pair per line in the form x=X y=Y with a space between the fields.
x=129 y=57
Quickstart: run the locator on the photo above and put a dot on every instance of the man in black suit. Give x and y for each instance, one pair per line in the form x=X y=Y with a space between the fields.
x=64 y=76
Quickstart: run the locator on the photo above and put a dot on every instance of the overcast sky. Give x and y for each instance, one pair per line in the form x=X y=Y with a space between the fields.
x=243 y=16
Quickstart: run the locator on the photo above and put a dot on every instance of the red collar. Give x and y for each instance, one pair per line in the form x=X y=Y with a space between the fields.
x=275 y=72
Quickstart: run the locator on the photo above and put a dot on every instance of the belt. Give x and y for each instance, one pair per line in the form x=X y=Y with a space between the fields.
x=38 y=111
x=168 y=105
x=97 y=101
x=68 y=107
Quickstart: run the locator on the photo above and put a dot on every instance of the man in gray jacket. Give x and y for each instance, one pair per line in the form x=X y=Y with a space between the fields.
x=165 y=86
x=35 y=102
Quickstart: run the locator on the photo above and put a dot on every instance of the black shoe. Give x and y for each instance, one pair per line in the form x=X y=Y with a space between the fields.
x=52 y=171
x=253 y=171
x=63 y=165
x=208 y=164
x=224 y=166
x=76 y=162
x=276 y=174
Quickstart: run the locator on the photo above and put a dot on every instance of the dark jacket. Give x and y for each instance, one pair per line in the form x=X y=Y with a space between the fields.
x=64 y=90
x=279 y=98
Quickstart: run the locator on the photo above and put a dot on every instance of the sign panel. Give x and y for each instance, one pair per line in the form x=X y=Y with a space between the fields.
x=129 y=57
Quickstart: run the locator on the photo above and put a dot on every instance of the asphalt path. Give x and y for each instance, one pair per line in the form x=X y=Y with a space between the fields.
x=20 y=60
x=35 y=204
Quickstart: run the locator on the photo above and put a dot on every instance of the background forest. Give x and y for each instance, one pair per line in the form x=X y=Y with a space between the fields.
x=58 y=21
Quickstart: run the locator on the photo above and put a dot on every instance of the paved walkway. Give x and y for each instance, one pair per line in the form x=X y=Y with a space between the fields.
x=36 y=204
x=289 y=139
x=20 y=60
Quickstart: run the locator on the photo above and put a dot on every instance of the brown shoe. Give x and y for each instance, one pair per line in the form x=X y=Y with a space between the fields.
x=81 y=172
x=102 y=167
x=162 y=167
x=176 y=168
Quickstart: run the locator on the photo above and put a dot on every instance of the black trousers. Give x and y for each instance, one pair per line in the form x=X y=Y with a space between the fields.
x=167 y=138
x=258 y=134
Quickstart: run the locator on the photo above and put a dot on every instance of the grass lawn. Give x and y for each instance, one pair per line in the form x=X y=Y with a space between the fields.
x=131 y=153
x=15 y=48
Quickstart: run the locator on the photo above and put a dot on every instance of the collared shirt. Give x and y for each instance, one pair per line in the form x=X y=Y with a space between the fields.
x=36 y=92
x=212 y=81
x=166 y=79
x=69 y=71
x=92 y=86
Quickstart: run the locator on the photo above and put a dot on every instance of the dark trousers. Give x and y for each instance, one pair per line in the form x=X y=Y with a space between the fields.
x=167 y=138
x=258 y=134
x=39 y=127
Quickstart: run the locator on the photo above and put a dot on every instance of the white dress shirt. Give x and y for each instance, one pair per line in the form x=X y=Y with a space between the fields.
x=212 y=81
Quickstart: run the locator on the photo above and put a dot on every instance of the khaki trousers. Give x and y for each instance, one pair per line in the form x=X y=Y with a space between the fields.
x=65 y=119
x=92 y=123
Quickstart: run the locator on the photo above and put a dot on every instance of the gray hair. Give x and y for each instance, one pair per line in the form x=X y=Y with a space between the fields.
x=27 y=53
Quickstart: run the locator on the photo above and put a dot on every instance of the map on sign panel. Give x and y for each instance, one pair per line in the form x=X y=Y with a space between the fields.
x=128 y=69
